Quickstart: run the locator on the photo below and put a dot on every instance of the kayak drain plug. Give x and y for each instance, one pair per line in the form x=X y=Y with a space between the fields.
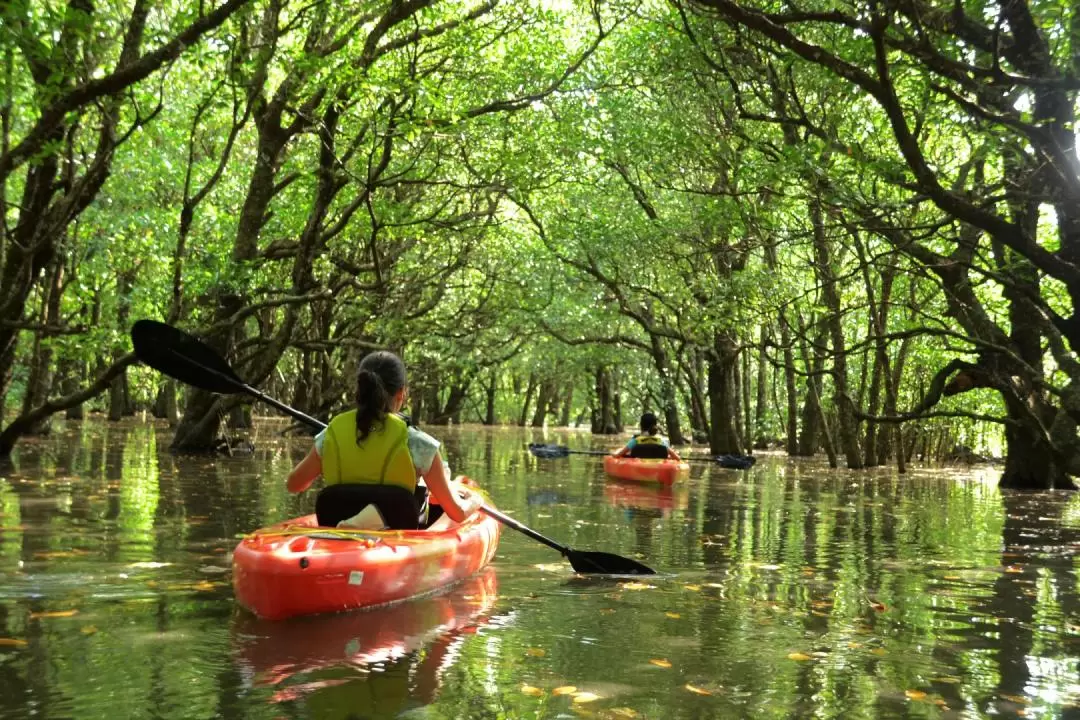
x=304 y=563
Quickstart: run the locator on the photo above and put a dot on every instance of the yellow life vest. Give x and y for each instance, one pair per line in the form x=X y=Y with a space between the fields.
x=382 y=459
x=649 y=440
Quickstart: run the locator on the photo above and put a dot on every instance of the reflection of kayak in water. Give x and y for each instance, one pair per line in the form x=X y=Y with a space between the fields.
x=272 y=652
x=647 y=497
x=297 y=568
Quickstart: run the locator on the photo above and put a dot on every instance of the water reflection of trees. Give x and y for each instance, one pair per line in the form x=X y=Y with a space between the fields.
x=947 y=588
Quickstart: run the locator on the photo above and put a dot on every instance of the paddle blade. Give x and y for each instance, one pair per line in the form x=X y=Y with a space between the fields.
x=605 y=564
x=183 y=357
x=548 y=451
x=736 y=462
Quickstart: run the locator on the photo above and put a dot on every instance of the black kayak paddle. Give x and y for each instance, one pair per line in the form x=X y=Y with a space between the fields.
x=183 y=357
x=736 y=462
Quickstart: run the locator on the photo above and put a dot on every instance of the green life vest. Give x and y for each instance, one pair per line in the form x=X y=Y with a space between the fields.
x=382 y=459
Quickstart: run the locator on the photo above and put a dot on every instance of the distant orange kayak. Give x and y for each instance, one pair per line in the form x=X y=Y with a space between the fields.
x=297 y=568
x=665 y=472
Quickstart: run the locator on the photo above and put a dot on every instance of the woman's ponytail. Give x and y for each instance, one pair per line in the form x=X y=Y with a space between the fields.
x=380 y=377
x=372 y=402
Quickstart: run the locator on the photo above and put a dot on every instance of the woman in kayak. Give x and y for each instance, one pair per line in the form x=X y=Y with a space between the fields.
x=649 y=443
x=371 y=456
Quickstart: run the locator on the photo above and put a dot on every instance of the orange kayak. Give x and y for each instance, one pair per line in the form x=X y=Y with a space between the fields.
x=297 y=568
x=664 y=472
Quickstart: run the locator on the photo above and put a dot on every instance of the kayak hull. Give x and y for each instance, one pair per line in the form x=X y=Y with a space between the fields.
x=297 y=568
x=663 y=472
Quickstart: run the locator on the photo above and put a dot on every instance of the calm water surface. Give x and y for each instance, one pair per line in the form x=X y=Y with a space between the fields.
x=790 y=590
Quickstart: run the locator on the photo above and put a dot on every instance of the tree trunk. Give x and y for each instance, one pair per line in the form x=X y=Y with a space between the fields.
x=791 y=394
x=847 y=424
x=758 y=436
x=543 y=400
x=812 y=414
x=528 y=400
x=567 y=403
x=119 y=394
x=667 y=390
x=693 y=370
x=489 y=397
x=603 y=416
x=723 y=437
x=240 y=417
x=72 y=374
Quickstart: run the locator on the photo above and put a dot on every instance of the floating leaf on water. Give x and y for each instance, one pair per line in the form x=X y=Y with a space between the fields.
x=940 y=702
x=696 y=690
x=565 y=690
x=660 y=662
x=53 y=614
x=149 y=565
x=213 y=569
x=692 y=588
x=819 y=654
x=634 y=585
x=535 y=652
x=1019 y=699
x=952 y=577
x=915 y=694
x=949 y=679
x=205 y=586
x=12 y=642
x=880 y=651
x=585 y=697
x=624 y=712
x=551 y=567
x=673 y=615
x=1013 y=569
x=878 y=606
x=854 y=645
x=798 y=656
x=531 y=691
x=53 y=554
x=88 y=630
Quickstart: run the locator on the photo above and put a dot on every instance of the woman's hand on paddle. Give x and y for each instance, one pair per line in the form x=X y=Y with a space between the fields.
x=469 y=500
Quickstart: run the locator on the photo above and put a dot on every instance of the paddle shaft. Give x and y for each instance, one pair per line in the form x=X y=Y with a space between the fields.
x=524 y=529
x=244 y=387
x=320 y=425
x=563 y=451
x=158 y=345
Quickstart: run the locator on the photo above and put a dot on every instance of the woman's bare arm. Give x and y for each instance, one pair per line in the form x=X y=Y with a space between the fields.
x=305 y=472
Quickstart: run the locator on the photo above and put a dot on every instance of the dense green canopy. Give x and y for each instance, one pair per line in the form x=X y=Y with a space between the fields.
x=821 y=225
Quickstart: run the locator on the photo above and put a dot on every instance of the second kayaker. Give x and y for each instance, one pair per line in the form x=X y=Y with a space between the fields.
x=372 y=459
x=649 y=443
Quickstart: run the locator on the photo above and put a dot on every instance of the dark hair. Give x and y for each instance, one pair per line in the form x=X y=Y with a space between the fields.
x=649 y=423
x=379 y=377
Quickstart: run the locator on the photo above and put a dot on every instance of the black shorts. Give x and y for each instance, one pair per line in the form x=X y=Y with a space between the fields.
x=401 y=509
